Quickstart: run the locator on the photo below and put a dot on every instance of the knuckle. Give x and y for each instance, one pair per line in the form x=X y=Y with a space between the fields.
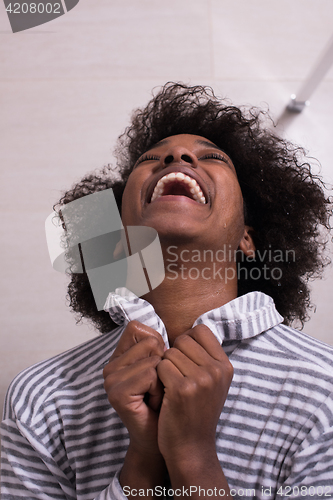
x=113 y=391
x=221 y=371
x=131 y=328
x=109 y=382
x=187 y=388
x=108 y=369
x=132 y=325
x=216 y=371
x=169 y=354
x=135 y=330
x=200 y=329
x=205 y=380
x=181 y=340
x=153 y=343
x=141 y=333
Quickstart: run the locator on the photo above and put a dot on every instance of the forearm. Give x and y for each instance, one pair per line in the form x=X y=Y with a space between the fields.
x=199 y=474
x=142 y=472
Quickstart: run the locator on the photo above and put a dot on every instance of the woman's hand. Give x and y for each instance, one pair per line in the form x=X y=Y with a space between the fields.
x=135 y=392
x=196 y=374
x=132 y=384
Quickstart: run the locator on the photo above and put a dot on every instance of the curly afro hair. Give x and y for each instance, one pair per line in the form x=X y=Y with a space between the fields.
x=285 y=202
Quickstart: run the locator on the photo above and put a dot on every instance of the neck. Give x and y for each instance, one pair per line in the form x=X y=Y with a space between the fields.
x=191 y=288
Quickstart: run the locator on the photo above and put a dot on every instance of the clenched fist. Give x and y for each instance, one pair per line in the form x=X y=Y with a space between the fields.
x=196 y=375
x=132 y=384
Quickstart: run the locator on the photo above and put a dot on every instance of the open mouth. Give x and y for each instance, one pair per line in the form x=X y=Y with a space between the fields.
x=178 y=184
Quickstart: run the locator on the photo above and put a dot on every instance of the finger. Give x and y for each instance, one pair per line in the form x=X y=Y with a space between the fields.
x=213 y=370
x=185 y=365
x=205 y=339
x=146 y=348
x=113 y=377
x=136 y=389
x=169 y=374
x=134 y=333
x=192 y=350
x=135 y=379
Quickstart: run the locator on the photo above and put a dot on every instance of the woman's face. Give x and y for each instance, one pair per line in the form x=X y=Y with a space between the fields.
x=186 y=188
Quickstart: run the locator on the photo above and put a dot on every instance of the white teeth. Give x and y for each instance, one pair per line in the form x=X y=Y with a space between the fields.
x=192 y=183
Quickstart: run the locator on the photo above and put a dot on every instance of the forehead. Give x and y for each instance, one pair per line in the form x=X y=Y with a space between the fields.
x=188 y=140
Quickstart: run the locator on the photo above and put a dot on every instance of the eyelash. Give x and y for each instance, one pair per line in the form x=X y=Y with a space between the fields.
x=213 y=156
x=147 y=158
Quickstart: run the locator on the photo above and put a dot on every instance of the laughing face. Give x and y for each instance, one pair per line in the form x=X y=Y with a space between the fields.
x=186 y=188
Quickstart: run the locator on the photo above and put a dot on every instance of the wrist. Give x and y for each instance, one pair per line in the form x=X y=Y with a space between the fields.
x=191 y=458
x=142 y=470
x=194 y=449
x=200 y=469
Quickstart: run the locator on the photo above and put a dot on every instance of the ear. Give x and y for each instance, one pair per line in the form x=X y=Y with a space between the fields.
x=247 y=244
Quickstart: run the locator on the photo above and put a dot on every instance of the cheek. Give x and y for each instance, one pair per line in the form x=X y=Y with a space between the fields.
x=131 y=200
x=231 y=201
x=126 y=208
x=232 y=213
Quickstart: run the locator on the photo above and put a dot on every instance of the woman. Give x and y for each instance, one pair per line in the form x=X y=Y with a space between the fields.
x=240 y=404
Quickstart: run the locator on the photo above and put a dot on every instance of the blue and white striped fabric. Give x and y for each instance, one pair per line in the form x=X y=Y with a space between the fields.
x=62 y=439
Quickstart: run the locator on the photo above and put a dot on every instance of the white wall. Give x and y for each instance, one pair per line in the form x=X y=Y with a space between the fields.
x=67 y=89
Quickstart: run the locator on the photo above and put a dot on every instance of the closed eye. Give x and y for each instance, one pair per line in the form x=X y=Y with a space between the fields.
x=147 y=157
x=214 y=156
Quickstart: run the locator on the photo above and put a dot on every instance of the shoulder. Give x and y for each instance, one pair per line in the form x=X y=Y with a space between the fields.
x=288 y=362
x=298 y=346
x=70 y=371
x=288 y=371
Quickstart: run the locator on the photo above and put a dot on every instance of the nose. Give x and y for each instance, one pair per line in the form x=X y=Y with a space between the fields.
x=179 y=154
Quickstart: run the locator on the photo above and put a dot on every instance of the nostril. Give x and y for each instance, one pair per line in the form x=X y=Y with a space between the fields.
x=168 y=159
x=187 y=158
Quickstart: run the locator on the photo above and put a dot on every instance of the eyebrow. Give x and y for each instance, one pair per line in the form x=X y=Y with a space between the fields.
x=157 y=144
x=202 y=142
